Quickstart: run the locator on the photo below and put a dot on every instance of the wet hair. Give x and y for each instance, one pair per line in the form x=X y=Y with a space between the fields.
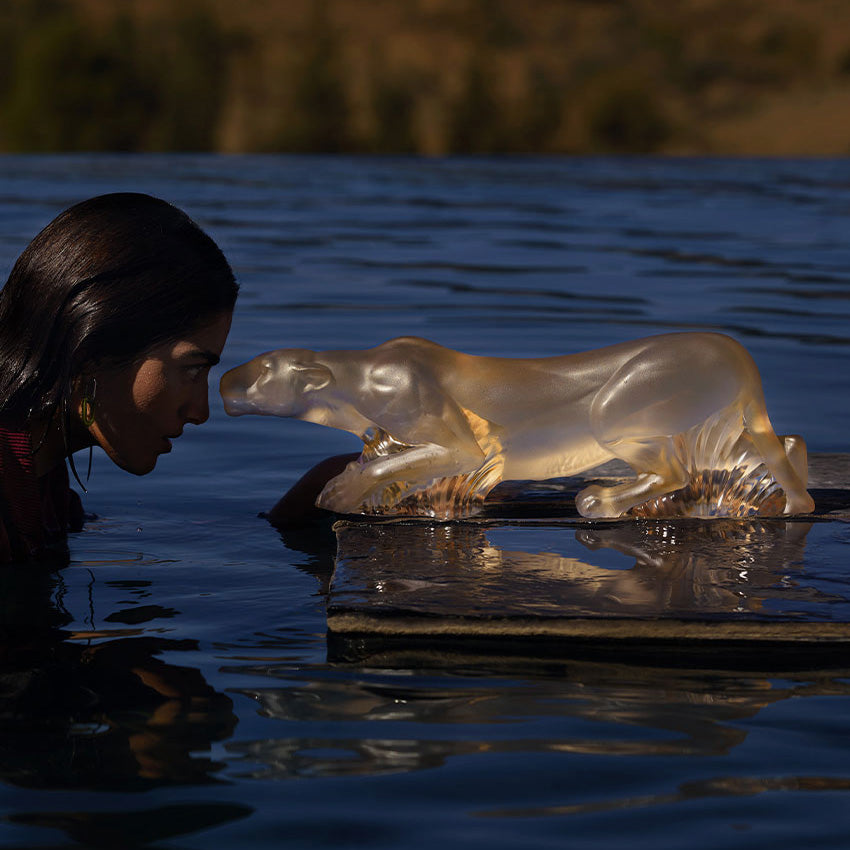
x=103 y=283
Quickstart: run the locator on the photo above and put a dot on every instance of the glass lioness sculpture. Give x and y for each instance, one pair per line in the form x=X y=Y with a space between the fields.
x=441 y=428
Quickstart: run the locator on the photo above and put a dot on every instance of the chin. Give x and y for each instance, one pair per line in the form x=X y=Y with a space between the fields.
x=148 y=467
x=137 y=467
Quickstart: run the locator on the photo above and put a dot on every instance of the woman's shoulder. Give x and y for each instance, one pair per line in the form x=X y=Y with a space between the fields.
x=35 y=513
x=15 y=440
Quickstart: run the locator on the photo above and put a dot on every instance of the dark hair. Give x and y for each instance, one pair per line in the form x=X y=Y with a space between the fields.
x=105 y=281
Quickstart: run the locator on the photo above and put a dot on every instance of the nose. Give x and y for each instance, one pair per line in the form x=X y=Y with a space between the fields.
x=197 y=408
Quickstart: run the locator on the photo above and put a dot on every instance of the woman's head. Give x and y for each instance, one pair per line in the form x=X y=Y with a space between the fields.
x=105 y=282
x=138 y=409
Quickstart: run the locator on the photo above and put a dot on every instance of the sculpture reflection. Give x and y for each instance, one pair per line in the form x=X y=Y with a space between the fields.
x=441 y=428
x=367 y=719
x=729 y=569
x=698 y=713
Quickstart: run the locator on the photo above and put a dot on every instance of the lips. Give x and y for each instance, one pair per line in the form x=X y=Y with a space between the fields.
x=169 y=437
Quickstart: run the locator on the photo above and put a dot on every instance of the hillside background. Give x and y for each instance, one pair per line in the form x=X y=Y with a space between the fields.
x=427 y=76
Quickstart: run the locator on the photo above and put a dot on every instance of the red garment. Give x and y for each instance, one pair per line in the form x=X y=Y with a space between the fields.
x=35 y=513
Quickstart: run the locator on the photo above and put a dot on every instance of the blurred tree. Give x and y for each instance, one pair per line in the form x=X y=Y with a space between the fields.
x=189 y=61
x=318 y=119
x=72 y=91
x=472 y=76
x=394 y=103
x=627 y=119
x=475 y=123
x=75 y=88
x=541 y=116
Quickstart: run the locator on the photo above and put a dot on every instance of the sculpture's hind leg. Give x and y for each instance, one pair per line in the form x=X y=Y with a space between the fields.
x=638 y=415
x=597 y=501
x=662 y=414
x=798 y=456
x=658 y=454
x=785 y=465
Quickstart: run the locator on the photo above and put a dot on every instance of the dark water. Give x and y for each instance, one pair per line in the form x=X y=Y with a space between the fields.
x=174 y=686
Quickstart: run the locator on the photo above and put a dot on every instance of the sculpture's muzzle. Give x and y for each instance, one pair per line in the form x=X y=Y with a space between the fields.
x=235 y=387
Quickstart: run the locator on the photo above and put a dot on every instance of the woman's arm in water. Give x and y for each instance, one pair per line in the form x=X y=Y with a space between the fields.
x=298 y=505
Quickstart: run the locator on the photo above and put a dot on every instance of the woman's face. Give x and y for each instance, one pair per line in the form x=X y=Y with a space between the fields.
x=139 y=409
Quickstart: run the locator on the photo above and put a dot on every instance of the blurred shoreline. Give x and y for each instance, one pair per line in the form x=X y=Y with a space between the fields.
x=686 y=77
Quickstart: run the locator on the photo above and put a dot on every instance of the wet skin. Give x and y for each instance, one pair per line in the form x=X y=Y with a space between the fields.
x=139 y=409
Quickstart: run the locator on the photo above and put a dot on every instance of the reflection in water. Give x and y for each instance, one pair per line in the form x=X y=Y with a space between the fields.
x=726 y=569
x=408 y=705
x=102 y=714
x=318 y=543
x=703 y=567
x=407 y=719
x=728 y=786
x=78 y=711
x=135 y=829
x=286 y=758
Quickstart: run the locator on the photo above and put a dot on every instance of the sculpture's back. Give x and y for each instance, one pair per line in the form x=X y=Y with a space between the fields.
x=441 y=428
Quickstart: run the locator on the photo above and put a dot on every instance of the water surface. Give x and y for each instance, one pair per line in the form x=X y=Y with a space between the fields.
x=174 y=685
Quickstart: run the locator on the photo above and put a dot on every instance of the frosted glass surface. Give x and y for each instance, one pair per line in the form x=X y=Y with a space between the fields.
x=441 y=428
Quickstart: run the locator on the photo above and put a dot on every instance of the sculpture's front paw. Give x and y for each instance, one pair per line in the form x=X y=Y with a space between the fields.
x=344 y=493
x=592 y=504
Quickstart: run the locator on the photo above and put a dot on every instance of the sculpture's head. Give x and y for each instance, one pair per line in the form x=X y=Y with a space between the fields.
x=276 y=383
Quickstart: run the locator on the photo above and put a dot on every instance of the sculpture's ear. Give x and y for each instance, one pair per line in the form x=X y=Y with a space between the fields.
x=310 y=377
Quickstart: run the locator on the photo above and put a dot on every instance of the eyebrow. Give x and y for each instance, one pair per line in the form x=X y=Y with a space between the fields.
x=209 y=357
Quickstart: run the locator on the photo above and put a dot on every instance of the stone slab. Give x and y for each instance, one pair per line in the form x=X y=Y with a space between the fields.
x=530 y=572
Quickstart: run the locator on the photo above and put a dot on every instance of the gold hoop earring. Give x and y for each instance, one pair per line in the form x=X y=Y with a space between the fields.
x=87 y=407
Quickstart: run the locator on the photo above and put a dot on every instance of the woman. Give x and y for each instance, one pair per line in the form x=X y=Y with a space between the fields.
x=109 y=324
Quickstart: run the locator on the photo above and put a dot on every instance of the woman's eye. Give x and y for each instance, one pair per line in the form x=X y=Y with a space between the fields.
x=194 y=372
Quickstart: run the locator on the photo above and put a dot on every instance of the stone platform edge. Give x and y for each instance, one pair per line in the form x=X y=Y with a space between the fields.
x=669 y=629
